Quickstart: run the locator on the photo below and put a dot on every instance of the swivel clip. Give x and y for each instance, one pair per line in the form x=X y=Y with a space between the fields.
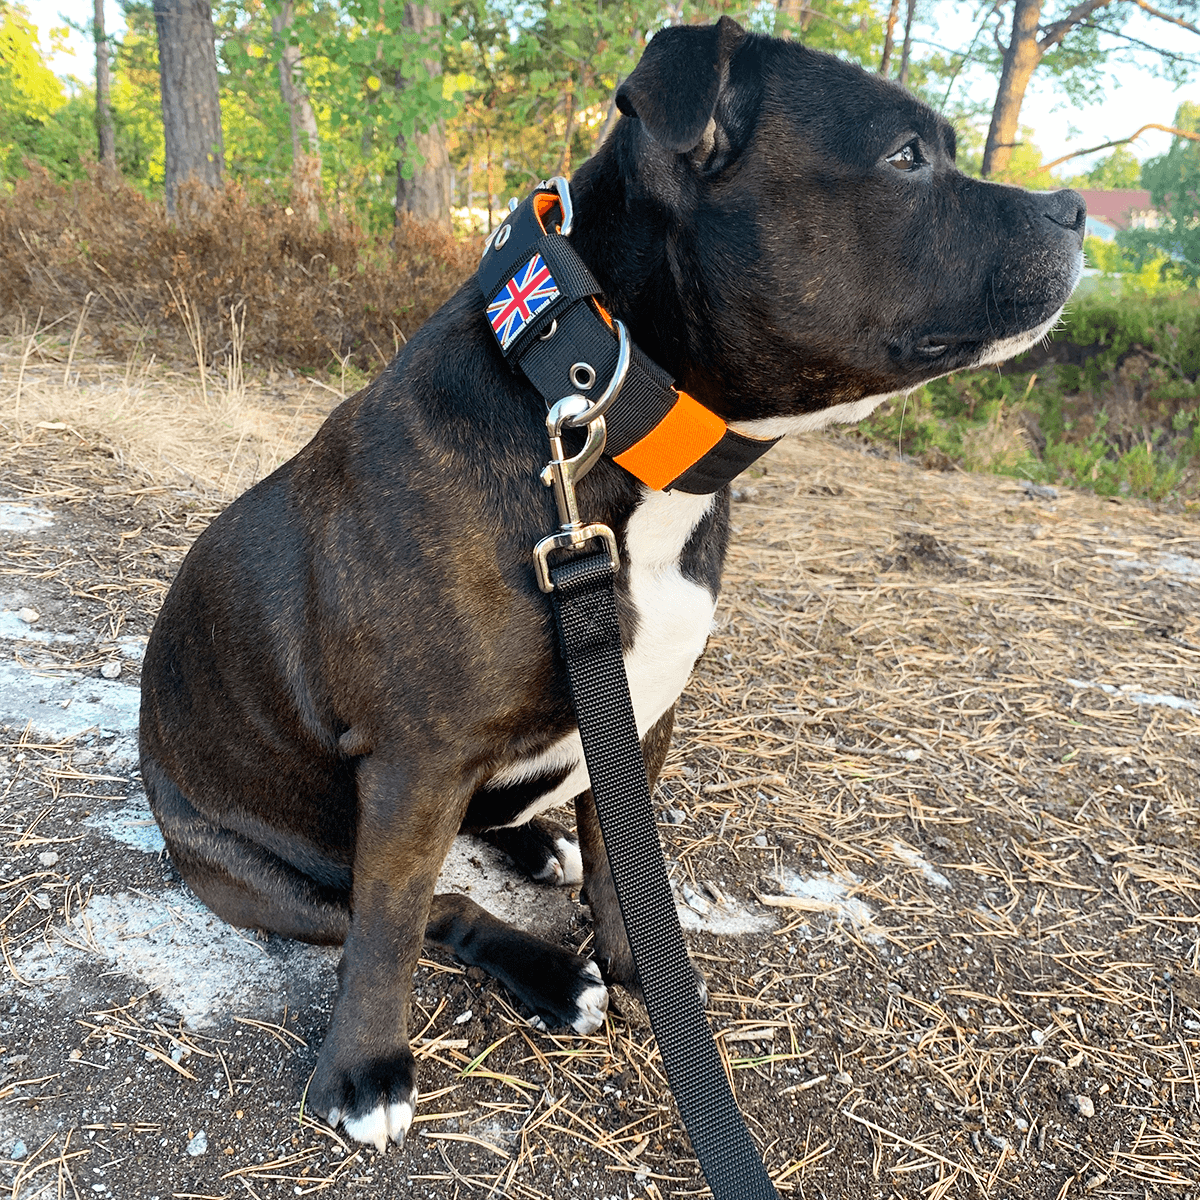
x=562 y=474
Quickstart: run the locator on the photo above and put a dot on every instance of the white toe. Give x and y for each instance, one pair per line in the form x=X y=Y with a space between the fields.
x=593 y=1004
x=572 y=861
x=551 y=873
x=399 y=1118
x=371 y=1127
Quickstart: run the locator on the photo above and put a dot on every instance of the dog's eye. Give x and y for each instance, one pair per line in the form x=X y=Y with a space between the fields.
x=906 y=158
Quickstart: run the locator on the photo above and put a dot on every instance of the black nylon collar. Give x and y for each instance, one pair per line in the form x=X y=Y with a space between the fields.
x=543 y=305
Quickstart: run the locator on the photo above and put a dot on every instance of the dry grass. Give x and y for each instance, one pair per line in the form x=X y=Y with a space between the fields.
x=924 y=688
x=904 y=649
x=197 y=429
x=313 y=294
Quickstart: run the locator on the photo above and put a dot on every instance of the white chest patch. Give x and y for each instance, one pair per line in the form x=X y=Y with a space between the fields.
x=674 y=619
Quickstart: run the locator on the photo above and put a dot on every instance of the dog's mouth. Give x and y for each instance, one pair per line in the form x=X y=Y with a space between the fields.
x=931 y=348
x=1008 y=317
x=935 y=347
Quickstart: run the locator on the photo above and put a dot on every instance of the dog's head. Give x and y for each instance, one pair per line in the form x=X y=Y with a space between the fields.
x=823 y=250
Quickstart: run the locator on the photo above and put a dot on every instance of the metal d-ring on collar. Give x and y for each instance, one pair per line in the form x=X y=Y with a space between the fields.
x=602 y=402
x=563 y=188
x=559 y=183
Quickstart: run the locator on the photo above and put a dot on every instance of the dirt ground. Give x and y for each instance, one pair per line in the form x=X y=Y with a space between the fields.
x=932 y=810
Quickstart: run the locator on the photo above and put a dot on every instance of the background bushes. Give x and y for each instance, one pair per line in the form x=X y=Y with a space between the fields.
x=1111 y=402
x=310 y=294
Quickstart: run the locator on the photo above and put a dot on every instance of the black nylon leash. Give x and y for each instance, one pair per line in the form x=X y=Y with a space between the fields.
x=586 y=613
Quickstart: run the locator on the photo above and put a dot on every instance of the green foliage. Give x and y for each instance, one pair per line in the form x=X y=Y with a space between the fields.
x=1120 y=169
x=522 y=89
x=1173 y=180
x=1115 y=408
x=29 y=92
x=1107 y=328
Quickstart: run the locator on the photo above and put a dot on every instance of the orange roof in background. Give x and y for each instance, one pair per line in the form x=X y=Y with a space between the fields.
x=1116 y=206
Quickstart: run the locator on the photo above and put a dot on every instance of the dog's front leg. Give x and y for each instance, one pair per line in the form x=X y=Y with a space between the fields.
x=365 y=1076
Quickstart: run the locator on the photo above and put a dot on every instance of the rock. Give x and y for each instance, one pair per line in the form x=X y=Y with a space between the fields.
x=198 y=1144
x=1083 y=1106
x=1039 y=490
x=675 y=816
x=111 y=670
x=19 y=1150
x=694 y=900
x=29 y=615
x=47 y=858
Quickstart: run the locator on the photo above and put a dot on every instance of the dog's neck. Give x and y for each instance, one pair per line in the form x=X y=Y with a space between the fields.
x=626 y=240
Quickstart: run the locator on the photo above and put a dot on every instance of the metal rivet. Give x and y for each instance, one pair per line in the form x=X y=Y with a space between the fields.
x=502 y=236
x=545 y=337
x=583 y=375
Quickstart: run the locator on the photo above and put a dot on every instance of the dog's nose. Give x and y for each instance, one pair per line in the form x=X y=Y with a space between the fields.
x=1068 y=209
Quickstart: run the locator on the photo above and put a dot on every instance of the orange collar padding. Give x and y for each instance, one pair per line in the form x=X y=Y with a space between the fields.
x=681 y=439
x=543 y=203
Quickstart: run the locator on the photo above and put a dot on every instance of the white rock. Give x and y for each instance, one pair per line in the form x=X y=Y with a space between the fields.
x=29 y=615
x=111 y=670
x=47 y=858
x=198 y=1144
x=1083 y=1106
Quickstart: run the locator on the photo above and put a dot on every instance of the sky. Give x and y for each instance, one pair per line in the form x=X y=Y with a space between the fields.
x=1132 y=96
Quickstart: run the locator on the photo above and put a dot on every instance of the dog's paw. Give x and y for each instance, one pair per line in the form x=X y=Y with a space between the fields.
x=578 y=1001
x=564 y=866
x=374 y=1102
x=544 y=850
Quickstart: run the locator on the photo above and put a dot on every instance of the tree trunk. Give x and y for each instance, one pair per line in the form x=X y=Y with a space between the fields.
x=306 y=149
x=889 y=37
x=906 y=53
x=104 y=119
x=798 y=11
x=1020 y=61
x=427 y=193
x=187 y=68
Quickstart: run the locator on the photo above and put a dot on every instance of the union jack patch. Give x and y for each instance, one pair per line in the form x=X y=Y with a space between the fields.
x=521 y=299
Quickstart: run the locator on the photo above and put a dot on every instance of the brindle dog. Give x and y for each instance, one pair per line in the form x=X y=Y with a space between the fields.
x=355 y=663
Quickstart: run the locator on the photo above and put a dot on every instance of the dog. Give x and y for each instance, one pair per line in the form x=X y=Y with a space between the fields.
x=355 y=662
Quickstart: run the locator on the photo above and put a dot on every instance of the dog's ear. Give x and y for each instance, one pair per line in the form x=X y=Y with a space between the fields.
x=674 y=88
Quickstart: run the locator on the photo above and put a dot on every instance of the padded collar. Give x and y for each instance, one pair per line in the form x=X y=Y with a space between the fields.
x=543 y=305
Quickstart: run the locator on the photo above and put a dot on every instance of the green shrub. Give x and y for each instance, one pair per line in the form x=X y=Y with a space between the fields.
x=1112 y=404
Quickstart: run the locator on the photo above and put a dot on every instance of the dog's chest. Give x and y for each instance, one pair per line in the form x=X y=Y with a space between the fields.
x=674 y=617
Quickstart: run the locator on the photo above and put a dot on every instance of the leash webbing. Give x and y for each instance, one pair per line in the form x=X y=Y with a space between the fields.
x=586 y=613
